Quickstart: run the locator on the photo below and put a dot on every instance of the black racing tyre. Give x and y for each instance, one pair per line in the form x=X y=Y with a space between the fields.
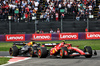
x=62 y=52
x=31 y=51
x=42 y=52
x=89 y=50
x=13 y=51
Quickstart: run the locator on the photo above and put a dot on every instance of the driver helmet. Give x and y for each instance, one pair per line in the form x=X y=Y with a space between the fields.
x=33 y=42
x=63 y=41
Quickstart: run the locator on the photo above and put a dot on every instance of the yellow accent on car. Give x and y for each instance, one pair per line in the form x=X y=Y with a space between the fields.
x=86 y=50
x=53 y=51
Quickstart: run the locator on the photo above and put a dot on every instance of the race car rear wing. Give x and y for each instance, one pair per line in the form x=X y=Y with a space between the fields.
x=20 y=43
x=50 y=44
x=46 y=44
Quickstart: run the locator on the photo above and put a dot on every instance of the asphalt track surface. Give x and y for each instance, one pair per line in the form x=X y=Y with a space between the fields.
x=77 y=61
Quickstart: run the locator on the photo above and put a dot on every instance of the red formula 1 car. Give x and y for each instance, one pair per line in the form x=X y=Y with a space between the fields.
x=64 y=50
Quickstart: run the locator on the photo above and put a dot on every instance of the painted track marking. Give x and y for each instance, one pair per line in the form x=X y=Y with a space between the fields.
x=15 y=60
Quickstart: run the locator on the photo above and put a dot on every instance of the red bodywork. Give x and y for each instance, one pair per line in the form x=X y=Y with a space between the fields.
x=56 y=48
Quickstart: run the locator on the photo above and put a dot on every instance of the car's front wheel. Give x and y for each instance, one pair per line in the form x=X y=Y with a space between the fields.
x=63 y=52
x=89 y=50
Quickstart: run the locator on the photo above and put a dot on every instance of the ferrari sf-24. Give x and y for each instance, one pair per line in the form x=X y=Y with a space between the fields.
x=65 y=50
x=57 y=49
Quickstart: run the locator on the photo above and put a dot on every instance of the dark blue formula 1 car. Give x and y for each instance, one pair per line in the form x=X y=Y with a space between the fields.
x=25 y=50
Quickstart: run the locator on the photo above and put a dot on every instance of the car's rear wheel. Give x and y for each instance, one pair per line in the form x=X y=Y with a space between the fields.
x=89 y=50
x=42 y=52
x=13 y=51
x=63 y=52
x=32 y=51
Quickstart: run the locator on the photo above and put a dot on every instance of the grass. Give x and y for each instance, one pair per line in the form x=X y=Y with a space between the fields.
x=95 y=44
x=3 y=60
x=4 y=46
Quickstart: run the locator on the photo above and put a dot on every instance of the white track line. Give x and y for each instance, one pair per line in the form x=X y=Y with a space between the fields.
x=15 y=62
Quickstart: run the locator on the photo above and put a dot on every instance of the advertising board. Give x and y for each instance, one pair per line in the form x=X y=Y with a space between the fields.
x=41 y=36
x=92 y=35
x=15 y=37
x=68 y=36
